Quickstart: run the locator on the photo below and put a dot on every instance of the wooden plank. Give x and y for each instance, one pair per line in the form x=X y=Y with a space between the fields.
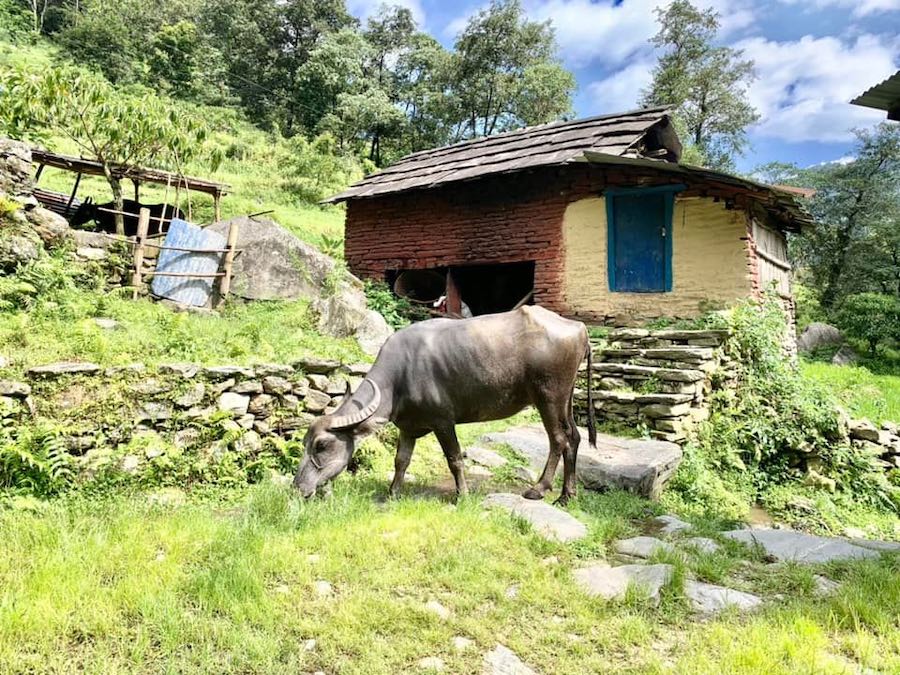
x=186 y=274
x=225 y=285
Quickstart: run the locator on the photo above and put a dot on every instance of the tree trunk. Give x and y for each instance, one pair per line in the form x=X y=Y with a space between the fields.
x=118 y=199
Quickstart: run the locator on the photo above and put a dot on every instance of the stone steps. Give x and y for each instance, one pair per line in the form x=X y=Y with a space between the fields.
x=634 y=372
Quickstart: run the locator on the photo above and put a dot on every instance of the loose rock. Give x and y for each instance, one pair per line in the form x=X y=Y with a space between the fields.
x=323 y=589
x=548 y=521
x=485 y=457
x=502 y=661
x=702 y=544
x=671 y=524
x=800 y=547
x=612 y=583
x=437 y=609
x=52 y=370
x=711 y=599
x=431 y=663
x=641 y=547
x=461 y=643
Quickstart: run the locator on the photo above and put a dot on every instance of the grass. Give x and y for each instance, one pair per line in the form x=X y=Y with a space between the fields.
x=865 y=390
x=226 y=583
x=62 y=328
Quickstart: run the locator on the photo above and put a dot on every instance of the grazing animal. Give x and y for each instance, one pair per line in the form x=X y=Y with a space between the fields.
x=436 y=374
x=106 y=221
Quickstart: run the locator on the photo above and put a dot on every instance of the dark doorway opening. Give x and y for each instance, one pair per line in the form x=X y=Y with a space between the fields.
x=480 y=289
x=495 y=288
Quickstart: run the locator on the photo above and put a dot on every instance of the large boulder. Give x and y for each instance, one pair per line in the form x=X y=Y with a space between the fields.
x=51 y=227
x=15 y=167
x=817 y=335
x=274 y=264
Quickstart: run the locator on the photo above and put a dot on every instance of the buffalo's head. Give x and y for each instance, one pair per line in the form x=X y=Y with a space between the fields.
x=85 y=213
x=331 y=439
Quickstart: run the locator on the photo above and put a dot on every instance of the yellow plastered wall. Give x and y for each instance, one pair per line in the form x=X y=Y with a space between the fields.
x=709 y=261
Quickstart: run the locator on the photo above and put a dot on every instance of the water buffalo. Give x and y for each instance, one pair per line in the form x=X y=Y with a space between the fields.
x=436 y=374
x=106 y=221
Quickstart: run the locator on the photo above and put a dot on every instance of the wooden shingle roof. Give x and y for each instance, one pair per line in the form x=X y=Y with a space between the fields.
x=640 y=133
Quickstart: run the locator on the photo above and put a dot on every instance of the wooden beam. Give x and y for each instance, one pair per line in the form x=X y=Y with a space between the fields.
x=143 y=226
x=71 y=196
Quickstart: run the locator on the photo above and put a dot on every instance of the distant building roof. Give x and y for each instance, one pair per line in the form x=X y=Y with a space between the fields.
x=640 y=133
x=883 y=96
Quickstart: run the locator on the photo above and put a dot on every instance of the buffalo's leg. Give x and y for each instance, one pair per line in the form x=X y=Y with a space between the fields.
x=555 y=416
x=405 y=446
x=450 y=445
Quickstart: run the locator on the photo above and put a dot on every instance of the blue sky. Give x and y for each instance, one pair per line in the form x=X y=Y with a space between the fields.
x=812 y=57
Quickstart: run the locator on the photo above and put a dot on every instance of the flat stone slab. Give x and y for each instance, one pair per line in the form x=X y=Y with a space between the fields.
x=800 y=547
x=669 y=524
x=641 y=547
x=612 y=583
x=702 y=544
x=485 y=457
x=633 y=464
x=711 y=599
x=63 y=368
x=502 y=661
x=549 y=521
x=875 y=545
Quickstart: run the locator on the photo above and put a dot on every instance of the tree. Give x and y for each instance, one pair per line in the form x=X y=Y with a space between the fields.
x=116 y=129
x=705 y=83
x=872 y=317
x=498 y=56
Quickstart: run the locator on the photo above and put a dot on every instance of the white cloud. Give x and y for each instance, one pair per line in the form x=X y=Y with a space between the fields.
x=363 y=9
x=603 y=32
x=860 y=7
x=804 y=87
x=620 y=91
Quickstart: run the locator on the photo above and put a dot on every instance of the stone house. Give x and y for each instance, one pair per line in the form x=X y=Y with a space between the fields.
x=593 y=218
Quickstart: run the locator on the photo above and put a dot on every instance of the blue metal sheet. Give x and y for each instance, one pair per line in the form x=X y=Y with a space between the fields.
x=187 y=290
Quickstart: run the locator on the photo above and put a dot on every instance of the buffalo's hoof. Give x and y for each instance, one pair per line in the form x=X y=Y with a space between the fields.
x=562 y=500
x=533 y=493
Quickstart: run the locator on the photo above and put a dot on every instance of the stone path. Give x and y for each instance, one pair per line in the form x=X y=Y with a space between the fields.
x=642 y=547
x=800 y=547
x=612 y=583
x=710 y=599
x=632 y=464
x=547 y=520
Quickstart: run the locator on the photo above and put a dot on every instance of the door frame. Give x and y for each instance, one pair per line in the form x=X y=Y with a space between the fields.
x=609 y=195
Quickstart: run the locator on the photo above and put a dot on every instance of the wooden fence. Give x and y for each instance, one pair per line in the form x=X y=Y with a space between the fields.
x=141 y=241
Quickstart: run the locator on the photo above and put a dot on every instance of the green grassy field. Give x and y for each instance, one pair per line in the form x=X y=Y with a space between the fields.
x=864 y=393
x=227 y=583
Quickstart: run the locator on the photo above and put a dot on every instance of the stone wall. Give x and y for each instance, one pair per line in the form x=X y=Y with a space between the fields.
x=882 y=441
x=102 y=409
x=658 y=379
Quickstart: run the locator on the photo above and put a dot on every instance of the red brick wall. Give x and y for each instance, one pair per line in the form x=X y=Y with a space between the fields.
x=500 y=219
x=503 y=219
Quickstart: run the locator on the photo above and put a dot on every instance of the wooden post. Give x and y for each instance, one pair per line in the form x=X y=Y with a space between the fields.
x=143 y=226
x=37 y=176
x=225 y=285
x=137 y=190
x=216 y=204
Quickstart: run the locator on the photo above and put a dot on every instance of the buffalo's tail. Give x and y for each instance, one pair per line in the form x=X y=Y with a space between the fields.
x=592 y=422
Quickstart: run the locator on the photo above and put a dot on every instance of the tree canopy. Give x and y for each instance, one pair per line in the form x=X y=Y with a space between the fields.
x=705 y=83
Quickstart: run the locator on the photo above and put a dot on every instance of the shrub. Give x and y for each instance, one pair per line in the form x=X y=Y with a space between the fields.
x=871 y=317
x=397 y=311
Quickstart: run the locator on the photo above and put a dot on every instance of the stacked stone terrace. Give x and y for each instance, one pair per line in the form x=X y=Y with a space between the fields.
x=656 y=378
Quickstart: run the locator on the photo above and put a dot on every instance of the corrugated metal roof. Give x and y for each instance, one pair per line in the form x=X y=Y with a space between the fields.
x=883 y=96
x=623 y=134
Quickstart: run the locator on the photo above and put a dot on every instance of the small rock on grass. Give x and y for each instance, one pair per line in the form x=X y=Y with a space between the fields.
x=670 y=524
x=502 y=661
x=309 y=645
x=641 y=547
x=323 y=589
x=437 y=609
x=701 y=544
x=548 y=521
x=461 y=643
x=612 y=583
x=711 y=599
x=432 y=663
x=824 y=585
x=485 y=457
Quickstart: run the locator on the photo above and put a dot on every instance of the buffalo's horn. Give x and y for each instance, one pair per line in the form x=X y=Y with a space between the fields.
x=364 y=413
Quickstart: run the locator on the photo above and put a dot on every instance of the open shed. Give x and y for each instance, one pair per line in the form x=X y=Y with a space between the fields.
x=593 y=218
x=135 y=174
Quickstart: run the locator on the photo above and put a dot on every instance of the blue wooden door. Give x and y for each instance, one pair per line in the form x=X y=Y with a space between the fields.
x=638 y=246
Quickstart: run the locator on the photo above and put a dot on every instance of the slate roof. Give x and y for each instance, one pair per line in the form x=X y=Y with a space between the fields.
x=621 y=135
